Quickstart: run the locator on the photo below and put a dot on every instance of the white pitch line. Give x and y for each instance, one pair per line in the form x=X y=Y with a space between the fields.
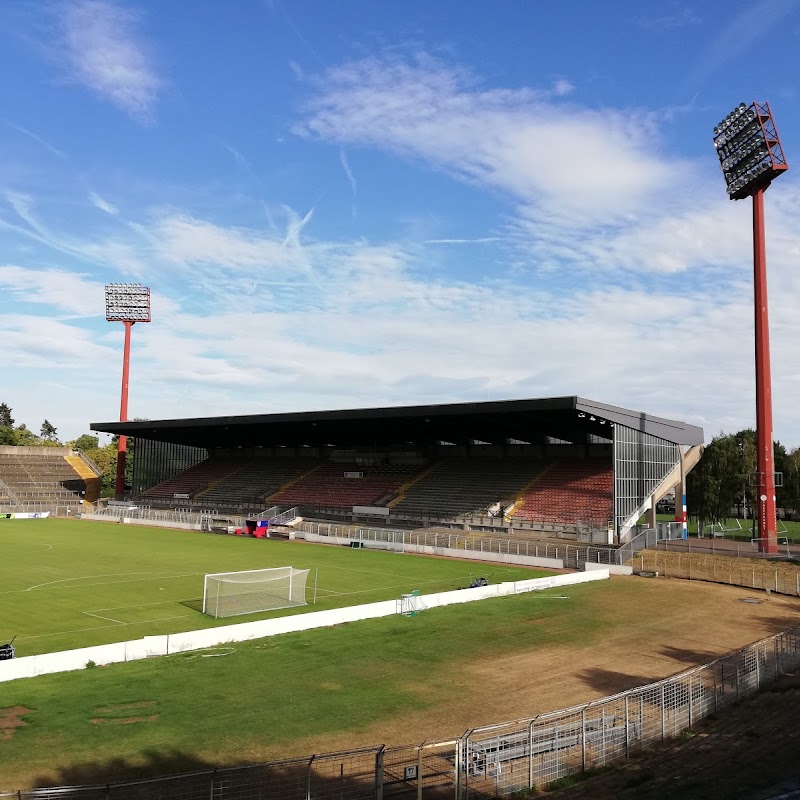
x=140 y=605
x=150 y=576
x=99 y=627
x=110 y=619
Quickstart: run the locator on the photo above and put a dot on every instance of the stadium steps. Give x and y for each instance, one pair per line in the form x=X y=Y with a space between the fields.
x=330 y=487
x=90 y=478
x=292 y=482
x=572 y=491
x=217 y=480
x=518 y=501
x=401 y=491
x=44 y=478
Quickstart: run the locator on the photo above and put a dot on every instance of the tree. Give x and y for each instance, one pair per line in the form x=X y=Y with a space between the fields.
x=86 y=442
x=714 y=486
x=105 y=459
x=26 y=438
x=726 y=477
x=48 y=432
x=6 y=420
x=791 y=481
x=7 y=435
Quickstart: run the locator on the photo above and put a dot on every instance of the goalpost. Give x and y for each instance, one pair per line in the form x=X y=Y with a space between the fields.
x=227 y=594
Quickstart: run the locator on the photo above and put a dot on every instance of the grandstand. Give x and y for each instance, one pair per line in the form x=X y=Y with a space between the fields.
x=36 y=479
x=551 y=464
x=568 y=490
x=457 y=487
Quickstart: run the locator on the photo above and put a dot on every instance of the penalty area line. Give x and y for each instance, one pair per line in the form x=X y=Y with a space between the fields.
x=109 y=619
x=99 y=627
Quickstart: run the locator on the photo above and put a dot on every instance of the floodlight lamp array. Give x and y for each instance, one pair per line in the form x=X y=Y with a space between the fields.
x=749 y=149
x=127 y=302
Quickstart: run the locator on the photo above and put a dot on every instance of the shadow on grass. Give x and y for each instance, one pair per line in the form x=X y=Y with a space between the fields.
x=609 y=682
x=176 y=773
x=116 y=770
x=194 y=604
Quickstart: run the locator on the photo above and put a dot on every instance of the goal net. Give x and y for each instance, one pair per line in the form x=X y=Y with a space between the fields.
x=227 y=594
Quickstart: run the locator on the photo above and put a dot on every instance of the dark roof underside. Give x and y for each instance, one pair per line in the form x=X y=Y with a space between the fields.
x=572 y=419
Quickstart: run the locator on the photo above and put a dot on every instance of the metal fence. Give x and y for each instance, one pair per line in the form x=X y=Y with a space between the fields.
x=493 y=761
x=573 y=556
x=774 y=576
x=177 y=515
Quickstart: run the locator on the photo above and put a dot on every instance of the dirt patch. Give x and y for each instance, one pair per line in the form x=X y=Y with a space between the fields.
x=116 y=713
x=11 y=719
x=669 y=626
x=124 y=707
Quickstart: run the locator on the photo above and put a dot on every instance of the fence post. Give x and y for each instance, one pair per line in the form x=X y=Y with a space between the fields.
x=379 y=773
x=213 y=776
x=419 y=772
x=663 y=713
x=308 y=778
x=758 y=668
x=691 y=676
x=583 y=740
x=530 y=754
x=627 y=729
x=466 y=764
x=458 y=769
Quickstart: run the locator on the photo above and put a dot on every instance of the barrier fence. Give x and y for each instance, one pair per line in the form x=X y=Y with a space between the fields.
x=117 y=512
x=492 y=761
x=573 y=556
x=774 y=576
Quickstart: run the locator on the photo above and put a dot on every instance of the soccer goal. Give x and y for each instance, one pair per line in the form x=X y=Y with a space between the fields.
x=228 y=594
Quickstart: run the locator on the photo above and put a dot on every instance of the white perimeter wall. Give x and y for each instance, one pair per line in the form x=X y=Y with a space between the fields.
x=149 y=646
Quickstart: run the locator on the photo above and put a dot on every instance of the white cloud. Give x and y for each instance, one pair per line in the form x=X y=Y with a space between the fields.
x=38 y=139
x=102 y=51
x=563 y=87
x=347 y=171
x=102 y=204
x=587 y=165
x=64 y=291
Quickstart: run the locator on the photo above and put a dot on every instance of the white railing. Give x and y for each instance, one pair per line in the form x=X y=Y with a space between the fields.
x=573 y=556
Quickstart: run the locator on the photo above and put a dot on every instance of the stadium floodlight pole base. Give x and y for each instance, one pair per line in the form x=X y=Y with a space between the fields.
x=765 y=459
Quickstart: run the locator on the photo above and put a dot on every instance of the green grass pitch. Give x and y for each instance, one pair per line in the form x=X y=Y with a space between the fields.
x=68 y=584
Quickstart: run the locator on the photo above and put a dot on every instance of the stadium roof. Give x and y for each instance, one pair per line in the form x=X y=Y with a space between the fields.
x=572 y=419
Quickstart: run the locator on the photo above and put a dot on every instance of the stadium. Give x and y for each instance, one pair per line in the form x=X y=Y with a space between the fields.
x=527 y=506
x=563 y=465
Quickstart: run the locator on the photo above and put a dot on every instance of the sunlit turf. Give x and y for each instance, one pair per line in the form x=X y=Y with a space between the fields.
x=69 y=583
x=261 y=700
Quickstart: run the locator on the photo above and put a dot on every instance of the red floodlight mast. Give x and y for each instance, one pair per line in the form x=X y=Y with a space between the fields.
x=751 y=157
x=127 y=303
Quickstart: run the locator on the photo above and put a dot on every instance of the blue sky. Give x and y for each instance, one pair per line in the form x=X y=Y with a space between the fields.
x=352 y=203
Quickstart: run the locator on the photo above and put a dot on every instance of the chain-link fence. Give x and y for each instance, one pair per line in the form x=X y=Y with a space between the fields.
x=494 y=761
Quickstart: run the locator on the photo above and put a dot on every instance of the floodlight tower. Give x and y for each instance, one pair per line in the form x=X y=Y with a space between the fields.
x=127 y=303
x=751 y=157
